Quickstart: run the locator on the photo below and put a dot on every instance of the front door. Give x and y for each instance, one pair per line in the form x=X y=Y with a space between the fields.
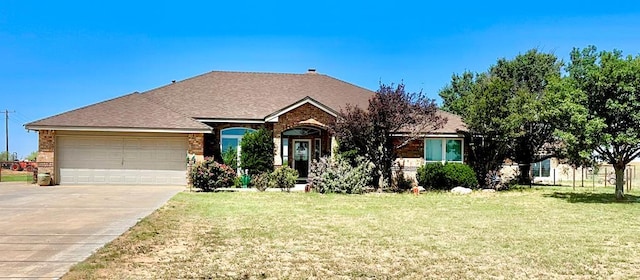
x=301 y=156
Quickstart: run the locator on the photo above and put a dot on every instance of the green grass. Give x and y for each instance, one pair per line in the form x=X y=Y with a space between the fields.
x=16 y=178
x=542 y=233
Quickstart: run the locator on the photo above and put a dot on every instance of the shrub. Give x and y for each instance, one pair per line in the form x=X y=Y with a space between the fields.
x=230 y=158
x=284 y=177
x=337 y=176
x=459 y=174
x=446 y=176
x=261 y=181
x=210 y=175
x=431 y=176
x=257 y=151
x=400 y=182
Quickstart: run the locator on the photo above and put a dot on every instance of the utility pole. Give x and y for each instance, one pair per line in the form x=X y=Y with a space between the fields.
x=6 y=131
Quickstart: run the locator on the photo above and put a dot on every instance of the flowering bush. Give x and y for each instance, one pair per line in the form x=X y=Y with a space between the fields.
x=338 y=176
x=210 y=175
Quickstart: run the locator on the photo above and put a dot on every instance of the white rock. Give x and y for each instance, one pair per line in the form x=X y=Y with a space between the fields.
x=488 y=190
x=461 y=190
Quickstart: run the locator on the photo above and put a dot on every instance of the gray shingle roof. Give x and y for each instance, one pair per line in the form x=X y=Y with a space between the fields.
x=132 y=111
x=218 y=95
x=454 y=123
x=244 y=95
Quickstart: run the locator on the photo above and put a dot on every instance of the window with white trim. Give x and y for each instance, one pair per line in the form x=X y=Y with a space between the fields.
x=443 y=150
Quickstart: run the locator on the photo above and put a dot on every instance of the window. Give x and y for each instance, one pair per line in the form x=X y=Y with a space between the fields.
x=542 y=168
x=285 y=151
x=454 y=150
x=443 y=150
x=433 y=150
x=230 y=138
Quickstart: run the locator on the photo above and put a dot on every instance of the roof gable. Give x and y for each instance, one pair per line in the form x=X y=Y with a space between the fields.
x=307 y=100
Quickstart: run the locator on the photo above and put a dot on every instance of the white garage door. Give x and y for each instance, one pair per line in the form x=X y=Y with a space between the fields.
x=122 y=160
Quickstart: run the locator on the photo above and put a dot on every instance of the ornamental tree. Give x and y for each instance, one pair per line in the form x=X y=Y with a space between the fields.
x=392 y=114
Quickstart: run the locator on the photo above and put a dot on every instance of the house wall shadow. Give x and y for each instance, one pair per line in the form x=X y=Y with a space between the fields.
x=572 y=197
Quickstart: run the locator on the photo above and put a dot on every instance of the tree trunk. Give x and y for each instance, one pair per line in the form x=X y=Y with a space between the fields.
x=619 y=168
x=525 y=172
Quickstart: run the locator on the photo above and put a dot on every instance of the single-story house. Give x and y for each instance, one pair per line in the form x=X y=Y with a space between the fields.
x=149 y=137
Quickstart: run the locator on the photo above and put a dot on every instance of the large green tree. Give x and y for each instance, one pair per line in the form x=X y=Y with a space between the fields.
x=608 y=87
x=507 y=110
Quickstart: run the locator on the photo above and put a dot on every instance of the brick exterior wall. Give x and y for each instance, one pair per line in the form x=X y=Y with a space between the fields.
x=414 y=149
x=46 y=152
x=302 y=113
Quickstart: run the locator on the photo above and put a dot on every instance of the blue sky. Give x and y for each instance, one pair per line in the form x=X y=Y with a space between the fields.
x=56 y=56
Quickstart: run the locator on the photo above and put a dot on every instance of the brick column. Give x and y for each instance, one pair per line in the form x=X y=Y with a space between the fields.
x=196 y=146
x=46 y=153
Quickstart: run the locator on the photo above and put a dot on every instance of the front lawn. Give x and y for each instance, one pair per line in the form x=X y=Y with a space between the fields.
x=16 y=176
x=545 y=233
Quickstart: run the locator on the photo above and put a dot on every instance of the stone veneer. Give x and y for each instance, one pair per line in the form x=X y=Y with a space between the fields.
x=46 y=152
x=196 y=146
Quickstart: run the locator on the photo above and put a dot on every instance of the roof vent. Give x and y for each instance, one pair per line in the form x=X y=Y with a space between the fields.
x=311 y=71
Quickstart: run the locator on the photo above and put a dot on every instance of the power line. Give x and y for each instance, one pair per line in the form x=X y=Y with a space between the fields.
x=18 y=118
x=23 y=118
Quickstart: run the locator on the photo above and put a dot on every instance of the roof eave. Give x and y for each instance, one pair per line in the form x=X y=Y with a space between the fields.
x=229 y=120
x=120 y=129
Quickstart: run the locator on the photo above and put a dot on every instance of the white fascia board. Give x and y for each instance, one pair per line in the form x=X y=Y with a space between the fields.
x=445 y=135
x=274 y=118
x=120 y=129
x=230 y=121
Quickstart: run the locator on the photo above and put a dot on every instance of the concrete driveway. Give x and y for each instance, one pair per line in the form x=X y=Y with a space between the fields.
x=46 y=230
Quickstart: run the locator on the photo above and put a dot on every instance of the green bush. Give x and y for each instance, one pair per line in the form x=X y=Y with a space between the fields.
x=446 y=176
x=284 y=178
x=230 y=158
x=210 y=175
x=257 y=151
x=337 y=176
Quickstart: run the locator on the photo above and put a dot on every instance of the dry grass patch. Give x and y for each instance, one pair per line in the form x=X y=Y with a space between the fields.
x=540 y=233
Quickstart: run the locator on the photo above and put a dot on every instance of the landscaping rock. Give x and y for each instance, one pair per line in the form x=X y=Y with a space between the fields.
x=488 y=190
x=461 y=190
